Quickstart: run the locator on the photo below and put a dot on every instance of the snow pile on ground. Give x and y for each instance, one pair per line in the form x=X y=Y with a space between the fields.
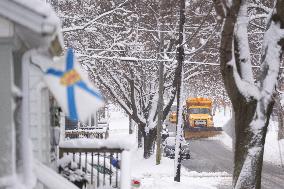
x=154 y=176
x=225 y=139
x=221 y=117
x=273 y=150
x=112 y=142
x=118 y=122
x=161 y=176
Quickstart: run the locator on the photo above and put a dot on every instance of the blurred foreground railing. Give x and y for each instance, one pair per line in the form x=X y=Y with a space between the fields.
x=99 y=167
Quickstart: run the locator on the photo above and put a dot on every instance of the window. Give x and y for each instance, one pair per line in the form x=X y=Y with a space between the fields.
x=199 y=111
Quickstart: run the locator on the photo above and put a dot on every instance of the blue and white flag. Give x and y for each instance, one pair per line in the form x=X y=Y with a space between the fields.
x=72 y=88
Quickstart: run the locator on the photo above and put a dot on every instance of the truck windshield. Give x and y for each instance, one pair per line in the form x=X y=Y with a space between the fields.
x=199 y=111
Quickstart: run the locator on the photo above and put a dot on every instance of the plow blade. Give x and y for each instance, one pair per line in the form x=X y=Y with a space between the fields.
x=201 y=132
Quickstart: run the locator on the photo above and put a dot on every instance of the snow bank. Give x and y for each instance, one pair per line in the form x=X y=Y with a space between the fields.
x=221 y=117
x=273 y=149
x=118 y=123
x=116 y=142
x=161 y=176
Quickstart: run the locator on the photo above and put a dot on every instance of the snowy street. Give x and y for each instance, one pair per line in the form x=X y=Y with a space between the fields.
x=212 y=156
x=209 y=156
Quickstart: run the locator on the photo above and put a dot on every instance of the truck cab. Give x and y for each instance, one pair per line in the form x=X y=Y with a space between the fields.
x=198 y=112
x=200 y=117
x=173 y=117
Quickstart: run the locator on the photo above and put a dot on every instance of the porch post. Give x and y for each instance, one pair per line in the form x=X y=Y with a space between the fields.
x=7 y=130
x=125 y=179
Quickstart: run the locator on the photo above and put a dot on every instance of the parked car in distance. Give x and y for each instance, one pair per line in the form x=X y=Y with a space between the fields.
x=169 y=149
x=165 y=133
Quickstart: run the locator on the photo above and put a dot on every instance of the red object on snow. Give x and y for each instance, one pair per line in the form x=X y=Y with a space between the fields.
x=135 y=183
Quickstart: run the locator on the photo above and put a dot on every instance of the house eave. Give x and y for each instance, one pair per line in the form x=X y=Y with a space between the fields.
x=42 y=22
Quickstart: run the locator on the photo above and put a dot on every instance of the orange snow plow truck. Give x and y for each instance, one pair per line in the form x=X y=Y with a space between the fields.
x=198 y=119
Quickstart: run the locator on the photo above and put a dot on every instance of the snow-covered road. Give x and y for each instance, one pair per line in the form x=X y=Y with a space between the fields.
x=209 y=155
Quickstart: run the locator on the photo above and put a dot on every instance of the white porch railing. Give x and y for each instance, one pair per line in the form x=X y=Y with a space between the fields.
x=50 y=178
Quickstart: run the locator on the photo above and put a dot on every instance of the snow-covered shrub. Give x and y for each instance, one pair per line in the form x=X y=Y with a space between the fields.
x=71 y=170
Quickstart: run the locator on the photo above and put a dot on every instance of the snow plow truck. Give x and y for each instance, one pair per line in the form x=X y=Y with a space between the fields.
x=198 y=119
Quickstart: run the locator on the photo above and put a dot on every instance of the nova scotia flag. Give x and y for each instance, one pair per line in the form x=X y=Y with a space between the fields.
x=72 y=89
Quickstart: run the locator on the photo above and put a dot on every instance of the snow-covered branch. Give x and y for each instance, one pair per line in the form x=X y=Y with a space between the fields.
x=258 y=16
x=260 y=6
x=204 y=41
x=115 y=96
x=272 y=51
x=242 y=44
x=82 y=27
x=190 y=76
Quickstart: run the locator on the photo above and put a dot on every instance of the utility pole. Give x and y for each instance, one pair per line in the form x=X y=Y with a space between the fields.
x=161 y=88
x=180 y=59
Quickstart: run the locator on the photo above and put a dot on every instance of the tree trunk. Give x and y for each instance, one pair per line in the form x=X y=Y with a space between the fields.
x=149 y=142
x=280 y=113
x=249 y=145
x=130 y=125
x=280 y=125
x=251 y=113
x=161 y=93
x=140 y=135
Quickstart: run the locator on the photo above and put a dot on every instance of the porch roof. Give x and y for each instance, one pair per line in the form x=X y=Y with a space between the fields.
x=35 y=23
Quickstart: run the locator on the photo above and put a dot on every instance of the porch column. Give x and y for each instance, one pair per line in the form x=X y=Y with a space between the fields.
x=7 y=130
